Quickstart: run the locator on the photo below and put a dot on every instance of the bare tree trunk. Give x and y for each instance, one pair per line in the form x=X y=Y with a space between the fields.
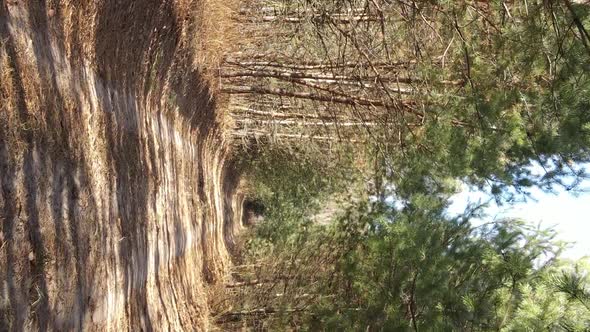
x=236 y=316
x=280 y=115
x=255 y=282
x=254 y=133
x=405 y=105
x=309 y=123
x=329 y=78
x=316 y=18
x=314 y=76
x=272 y=10
x=317 y=65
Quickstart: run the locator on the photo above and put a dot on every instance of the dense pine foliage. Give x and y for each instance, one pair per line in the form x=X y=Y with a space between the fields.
x=365 y=118
x=408 y=265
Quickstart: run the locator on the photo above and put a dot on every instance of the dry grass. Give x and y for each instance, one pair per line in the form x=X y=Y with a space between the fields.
x=9 y=121
x=7 y=92
x=227 y=122
x=216 y=34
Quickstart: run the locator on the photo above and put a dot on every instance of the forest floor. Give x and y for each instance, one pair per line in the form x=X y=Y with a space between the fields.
x=117 y=197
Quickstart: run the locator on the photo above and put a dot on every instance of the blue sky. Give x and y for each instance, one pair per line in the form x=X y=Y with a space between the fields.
x=568 y=214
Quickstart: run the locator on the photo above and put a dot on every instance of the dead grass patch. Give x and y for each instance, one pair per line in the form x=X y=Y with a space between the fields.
x=9 y=124
x=216 y=35
x=7 y=87
x=211 y=35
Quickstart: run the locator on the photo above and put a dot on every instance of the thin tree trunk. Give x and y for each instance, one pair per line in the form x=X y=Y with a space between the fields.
x=317 y=65
x=255 y=282
x=584 y=35
x=317 y=18
x=258 y=133
x=309 y=123
x=406 y=105
x=279 y=115
x=235 y=316
x=327 y=78
x=300 y=12
x=296 y=74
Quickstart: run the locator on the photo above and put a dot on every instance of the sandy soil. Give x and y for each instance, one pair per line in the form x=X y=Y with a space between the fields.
x=117 y=199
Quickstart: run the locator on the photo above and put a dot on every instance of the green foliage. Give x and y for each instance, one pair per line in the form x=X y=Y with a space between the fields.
x=292 y=184
x=523 y=101
x=490 y=88
x=414 y=268
x=555 y=300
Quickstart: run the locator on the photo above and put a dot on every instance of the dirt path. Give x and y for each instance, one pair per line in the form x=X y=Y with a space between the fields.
x=117 y=202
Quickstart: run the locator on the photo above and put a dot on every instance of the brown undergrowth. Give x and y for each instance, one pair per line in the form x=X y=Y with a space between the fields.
x=117 y=200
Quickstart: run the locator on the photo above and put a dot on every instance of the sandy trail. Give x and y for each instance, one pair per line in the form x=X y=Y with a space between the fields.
x=117 y=200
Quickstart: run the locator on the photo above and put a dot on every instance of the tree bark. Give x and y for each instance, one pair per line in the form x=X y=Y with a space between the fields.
x=316 y=18
x=309 y=123
x=405 y=105
x=280 y=115
x=318 y=65
x=236 y=316
x=255 y=133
